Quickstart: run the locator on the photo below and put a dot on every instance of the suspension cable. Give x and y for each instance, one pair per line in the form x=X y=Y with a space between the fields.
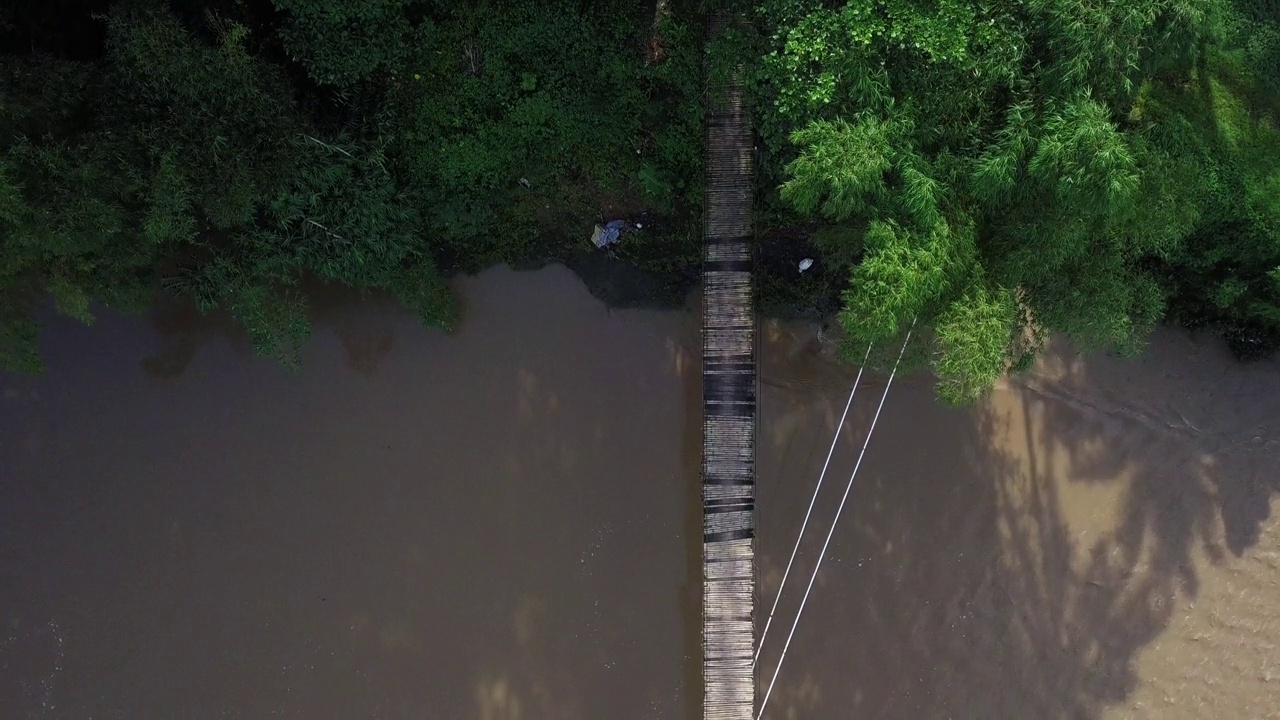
x=809 y=512
x=832 y=531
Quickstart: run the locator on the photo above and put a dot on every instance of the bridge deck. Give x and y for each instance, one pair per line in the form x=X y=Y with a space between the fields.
x=729 y=412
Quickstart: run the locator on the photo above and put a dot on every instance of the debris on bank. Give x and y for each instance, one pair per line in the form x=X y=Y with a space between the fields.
x=611 y=233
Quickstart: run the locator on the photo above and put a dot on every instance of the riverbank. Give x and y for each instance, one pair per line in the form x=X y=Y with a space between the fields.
x=657 y=266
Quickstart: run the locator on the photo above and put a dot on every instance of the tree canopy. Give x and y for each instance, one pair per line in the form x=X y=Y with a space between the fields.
x=1008 y=168
x=993 y=170
x=231 y=152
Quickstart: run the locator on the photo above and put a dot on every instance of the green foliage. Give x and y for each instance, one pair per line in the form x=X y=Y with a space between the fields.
x=1097 y=162
x=841 y=245
x=672 y=127
x=18 y=333
x=972 y=340
x=1082 y=159
x=657 y=189
x=1221 y=275
x=206 y=123
x=209 y=142
x=537 y=93
x=996 y=170
x=341 y=218
x=348 y=141
x=197 y=165
x=346 y=220
x=63 y=218
x=902 y=274
x=344 y=42
x=275 y=317
x=841 y=173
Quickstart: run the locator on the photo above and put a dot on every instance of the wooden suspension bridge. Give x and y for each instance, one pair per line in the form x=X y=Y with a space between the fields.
x=729 y=407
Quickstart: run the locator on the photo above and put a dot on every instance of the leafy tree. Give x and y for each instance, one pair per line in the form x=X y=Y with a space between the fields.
x=64 y=218
x=341 y=219
x=209 y=125
x=505 y=113
x=997 y=169
x=351 y=142
x=277 y=204
x=344 y=42
x=1216 y=149
x=196 y=167
x=993 y=154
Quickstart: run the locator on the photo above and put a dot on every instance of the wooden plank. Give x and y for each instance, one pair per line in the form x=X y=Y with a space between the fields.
x=729 y=410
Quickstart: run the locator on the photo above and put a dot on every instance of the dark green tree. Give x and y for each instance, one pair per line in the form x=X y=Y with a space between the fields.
x=65 y=225
x=184 y=158
x=1215 y=149
x=345 y=42
x=260 y=200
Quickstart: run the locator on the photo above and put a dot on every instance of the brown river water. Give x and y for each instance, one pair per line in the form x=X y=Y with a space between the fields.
x=502 y=525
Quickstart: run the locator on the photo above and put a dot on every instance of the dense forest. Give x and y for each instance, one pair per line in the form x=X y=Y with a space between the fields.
x=998 y=169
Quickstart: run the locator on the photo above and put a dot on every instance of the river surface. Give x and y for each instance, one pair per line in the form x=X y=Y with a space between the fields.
x=502 y=525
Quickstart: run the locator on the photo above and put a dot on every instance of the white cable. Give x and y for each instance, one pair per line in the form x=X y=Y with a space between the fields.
x=832 y=531
x=809 y=512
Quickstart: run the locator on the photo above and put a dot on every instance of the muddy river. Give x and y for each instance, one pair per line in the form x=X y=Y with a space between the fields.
x=502 y=525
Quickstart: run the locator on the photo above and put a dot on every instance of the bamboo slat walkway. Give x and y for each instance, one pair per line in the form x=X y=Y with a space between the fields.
x=729 y=412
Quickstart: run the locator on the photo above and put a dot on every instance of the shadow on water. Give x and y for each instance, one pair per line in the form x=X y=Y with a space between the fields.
x=968 y=578
x=363 y=322
x=1202 y=470
x=181 y=331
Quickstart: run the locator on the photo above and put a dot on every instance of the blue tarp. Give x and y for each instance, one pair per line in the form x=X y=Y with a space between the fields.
x=609 y=234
